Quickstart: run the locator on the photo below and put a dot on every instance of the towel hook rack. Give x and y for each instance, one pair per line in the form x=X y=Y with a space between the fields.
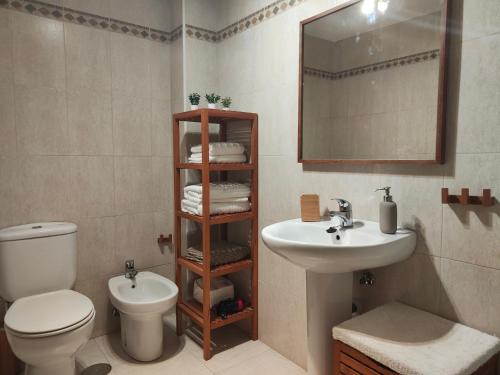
x=465 y=198
x=164 y=240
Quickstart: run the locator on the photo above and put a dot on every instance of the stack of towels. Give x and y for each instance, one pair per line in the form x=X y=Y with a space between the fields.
x=220 y=152
x=225 y=198
x=221 y=252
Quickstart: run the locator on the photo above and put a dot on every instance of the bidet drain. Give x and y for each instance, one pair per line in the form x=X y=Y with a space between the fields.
x=97 y=369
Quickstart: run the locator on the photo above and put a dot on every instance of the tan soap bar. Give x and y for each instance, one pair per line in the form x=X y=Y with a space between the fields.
x=309 y=207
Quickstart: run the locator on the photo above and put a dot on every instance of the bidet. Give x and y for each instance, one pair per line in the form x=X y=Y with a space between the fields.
x=142 y=301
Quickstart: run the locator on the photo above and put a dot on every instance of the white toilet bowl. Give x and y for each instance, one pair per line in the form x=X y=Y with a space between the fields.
x=142 y=302
x=46 y=330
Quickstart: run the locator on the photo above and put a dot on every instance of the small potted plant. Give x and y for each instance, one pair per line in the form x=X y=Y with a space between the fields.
x=226 y=103
x=194 y=99
x=212 y=100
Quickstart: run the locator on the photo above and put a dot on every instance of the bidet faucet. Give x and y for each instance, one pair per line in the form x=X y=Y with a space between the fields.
x=130 y=271
x=344 y=215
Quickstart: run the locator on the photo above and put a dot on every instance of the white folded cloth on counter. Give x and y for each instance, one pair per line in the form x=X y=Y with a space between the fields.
x=215 y=208
x=221 y=148
x=197 y=158
x=219 y=190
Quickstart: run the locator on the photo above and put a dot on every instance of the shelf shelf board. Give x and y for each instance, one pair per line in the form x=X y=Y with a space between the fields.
x=218 y=219
x=218 y=166
x=194 y=310
x=214 y=115
x=216 y=271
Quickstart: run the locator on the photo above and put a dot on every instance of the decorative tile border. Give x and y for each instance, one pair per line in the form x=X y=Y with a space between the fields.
x=42 y=9
x=257 y=17
x=383 y=65
x=201 y=34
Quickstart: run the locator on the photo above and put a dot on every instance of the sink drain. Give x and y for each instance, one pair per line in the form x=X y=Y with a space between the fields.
x=97 y=369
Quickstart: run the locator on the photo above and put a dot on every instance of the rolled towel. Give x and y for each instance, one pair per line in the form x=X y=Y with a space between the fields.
x=215 y=208
x=197 y=158
x=220 y=190
x=221 y=148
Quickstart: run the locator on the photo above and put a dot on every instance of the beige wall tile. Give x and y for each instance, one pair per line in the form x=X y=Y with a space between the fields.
x=471 y=233
x=90 y=122
x=136 y=239
x=133 y=11
x=6 y=40
x=87 y=58
x=479 y=96
x=161 y=128
x=481 y=18
x=98 y=7
x=130 y=68
x=416 y=281
x=8 y=143
x=9 y=192
x=159 y=14
x=160 y=71
x=282 y=316
x=38 y=51
x=97 y=185
x=133 y=185
x=41 y=121
x=162 y=188
x=468 y=295
x=96 y=249
x=48 y=187
x=131 y=125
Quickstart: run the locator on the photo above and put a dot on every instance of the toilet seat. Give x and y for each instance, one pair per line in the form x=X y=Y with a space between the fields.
x=49 y=314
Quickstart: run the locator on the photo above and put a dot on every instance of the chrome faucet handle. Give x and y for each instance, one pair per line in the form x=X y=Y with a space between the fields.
x=130 y=271
x=344 y=205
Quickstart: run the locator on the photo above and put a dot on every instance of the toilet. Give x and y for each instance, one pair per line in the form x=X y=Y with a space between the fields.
x=46 y=322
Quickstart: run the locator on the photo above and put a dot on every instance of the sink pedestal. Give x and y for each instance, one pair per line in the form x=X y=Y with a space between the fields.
x=329 y=302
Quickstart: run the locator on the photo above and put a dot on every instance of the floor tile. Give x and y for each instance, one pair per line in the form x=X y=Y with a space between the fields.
x=267 y=363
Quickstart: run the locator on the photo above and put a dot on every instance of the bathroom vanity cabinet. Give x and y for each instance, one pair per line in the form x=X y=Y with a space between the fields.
x=201 y=314
x=349 y=361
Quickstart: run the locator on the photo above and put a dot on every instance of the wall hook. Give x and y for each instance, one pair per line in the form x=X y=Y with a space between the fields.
x=465 y=198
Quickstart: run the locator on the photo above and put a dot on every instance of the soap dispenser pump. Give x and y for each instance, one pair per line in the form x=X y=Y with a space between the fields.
x=388 y=216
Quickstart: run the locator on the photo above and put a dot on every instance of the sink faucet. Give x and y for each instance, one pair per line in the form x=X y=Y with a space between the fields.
x=130 y=271
x=343 y=216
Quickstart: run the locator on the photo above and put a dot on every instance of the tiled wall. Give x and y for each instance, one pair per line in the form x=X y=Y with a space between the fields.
x=85 y=130
x=373 y=96
x=455 y=271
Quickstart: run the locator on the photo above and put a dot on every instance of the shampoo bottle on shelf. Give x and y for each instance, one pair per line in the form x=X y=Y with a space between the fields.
x=388 y=217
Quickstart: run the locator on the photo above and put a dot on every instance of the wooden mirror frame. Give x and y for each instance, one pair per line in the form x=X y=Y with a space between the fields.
x=441 y=105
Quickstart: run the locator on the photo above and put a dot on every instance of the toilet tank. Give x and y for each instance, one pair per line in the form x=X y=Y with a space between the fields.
x=37 y=258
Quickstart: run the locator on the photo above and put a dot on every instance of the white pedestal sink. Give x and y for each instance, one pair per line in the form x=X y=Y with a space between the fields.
x=329 y=260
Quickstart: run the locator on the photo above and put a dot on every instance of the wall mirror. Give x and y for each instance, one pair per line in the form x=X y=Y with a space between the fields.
x=373 y=83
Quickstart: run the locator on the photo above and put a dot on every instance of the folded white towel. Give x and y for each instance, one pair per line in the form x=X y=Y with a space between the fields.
x=215 y=208
x=199 y=199
x=221 y=148
x=240 y=158
x=220 y=190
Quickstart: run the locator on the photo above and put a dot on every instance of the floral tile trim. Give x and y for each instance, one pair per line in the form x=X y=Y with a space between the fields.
x=372 y=68
x=257 y=17
x=42 y=9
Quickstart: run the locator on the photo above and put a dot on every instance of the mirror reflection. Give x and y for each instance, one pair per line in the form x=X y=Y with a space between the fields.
x=370 y=82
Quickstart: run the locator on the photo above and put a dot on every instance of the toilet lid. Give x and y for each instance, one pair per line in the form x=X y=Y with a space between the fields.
x=48 y=312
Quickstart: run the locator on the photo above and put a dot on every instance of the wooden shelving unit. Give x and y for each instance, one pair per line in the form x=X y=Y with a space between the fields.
x=201 y=314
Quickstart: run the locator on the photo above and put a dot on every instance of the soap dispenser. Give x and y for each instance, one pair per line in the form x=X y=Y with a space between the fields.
x=388 y=217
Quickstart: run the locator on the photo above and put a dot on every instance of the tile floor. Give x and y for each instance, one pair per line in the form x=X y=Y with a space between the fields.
x=183 y=356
